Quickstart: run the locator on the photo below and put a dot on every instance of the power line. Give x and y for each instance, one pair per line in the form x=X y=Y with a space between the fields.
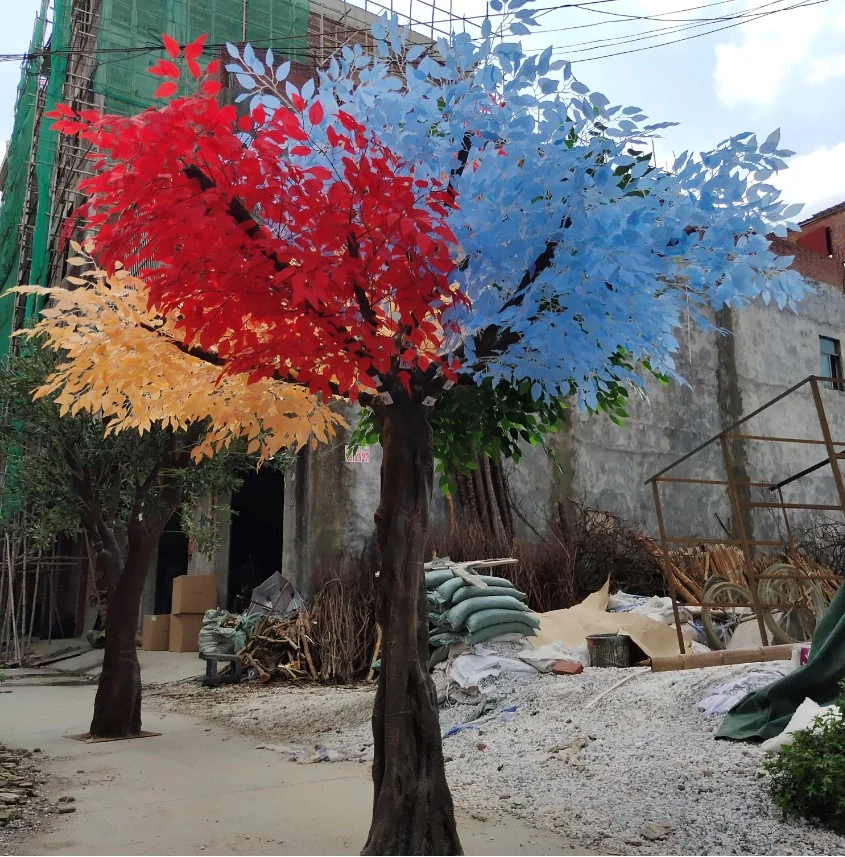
x=578 y=47
x=801 y=5
x=626 y=38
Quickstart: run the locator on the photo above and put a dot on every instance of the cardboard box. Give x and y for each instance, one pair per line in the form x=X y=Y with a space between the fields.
x=194 y=593
x=184 y=631
x=156 y=634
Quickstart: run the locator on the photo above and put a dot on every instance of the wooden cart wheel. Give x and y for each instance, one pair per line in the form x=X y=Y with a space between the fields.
x=730 y=617
x=795 y=623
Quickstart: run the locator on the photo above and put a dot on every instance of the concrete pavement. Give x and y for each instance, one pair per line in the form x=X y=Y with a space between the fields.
x=201 y=788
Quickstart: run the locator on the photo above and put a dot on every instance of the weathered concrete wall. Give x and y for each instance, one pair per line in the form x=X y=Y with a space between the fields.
x=775 y=351
x=329 y=509
x=606 y=465
x=330 y=503
x=730 y=376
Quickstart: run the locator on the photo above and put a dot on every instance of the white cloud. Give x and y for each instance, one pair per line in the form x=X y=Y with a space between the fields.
x=814 y=179
x=823 y=70
x=770 y=50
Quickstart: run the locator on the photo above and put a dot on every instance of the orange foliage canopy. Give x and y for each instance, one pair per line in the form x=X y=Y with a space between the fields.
x=126 y=363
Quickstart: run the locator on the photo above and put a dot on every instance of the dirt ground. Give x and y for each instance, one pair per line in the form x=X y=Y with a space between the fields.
x=202 y=788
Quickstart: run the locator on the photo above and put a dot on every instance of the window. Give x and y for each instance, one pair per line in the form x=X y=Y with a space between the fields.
x=831 y=361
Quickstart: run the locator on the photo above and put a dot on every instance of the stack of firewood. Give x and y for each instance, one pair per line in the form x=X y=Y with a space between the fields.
x=281 y=649
x=692 y=567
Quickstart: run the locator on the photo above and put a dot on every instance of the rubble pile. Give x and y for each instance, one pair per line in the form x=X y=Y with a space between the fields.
x=21 y=804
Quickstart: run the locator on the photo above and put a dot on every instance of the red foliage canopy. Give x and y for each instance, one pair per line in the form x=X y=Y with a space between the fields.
x=317 y=258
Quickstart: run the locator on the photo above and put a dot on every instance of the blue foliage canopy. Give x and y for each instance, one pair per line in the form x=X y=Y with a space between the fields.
x=572 y=245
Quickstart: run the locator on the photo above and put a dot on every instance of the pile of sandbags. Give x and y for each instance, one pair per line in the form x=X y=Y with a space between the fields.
x=462 y=611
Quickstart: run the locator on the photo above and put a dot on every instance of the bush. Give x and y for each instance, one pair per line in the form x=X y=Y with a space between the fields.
x=807 y=778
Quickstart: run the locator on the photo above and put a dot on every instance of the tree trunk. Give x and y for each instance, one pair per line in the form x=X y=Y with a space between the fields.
x=412 y=805
x=117 y=707
x=106 y=557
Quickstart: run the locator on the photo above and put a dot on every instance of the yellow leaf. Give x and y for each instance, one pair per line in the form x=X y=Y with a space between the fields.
x=124 y=363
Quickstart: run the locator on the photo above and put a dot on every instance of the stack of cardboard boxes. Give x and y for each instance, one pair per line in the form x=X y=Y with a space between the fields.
x=193 y=594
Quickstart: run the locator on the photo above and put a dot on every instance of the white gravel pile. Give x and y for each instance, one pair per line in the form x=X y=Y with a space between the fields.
x=637 y=771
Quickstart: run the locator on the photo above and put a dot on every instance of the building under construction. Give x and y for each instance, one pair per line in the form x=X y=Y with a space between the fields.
x=95 y=54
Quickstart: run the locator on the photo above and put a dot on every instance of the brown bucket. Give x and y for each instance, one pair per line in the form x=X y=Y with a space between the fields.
x=609 y=650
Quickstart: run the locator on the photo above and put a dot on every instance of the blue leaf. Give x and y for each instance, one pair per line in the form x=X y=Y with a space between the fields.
x=414 y=53
x=269 y=58
x=771 y=142
x=246 y=81
x=233 y=51
x=519 y=29
x=283 y=71
x=249 y=55
x=580 y=88
x=308 y=89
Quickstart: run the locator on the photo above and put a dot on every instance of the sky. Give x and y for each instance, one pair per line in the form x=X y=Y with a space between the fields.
x=786 y=70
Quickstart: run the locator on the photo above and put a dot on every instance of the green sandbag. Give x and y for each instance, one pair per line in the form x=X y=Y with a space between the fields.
x=458 y=616
x=497 y=631
x=436 y=577
x=518 y=625
x=474 y=592
x=444 y=592
x=444 y=638
x=767 y=712
x=485 y=618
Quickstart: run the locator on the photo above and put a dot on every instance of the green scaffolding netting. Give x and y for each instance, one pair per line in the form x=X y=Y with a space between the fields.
x=123 y=80
x=14 y=188
x=126 y=87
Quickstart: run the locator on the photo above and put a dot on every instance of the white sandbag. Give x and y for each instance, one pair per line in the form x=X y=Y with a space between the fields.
x=544 y=657
x=470 y=670
x=804 y=717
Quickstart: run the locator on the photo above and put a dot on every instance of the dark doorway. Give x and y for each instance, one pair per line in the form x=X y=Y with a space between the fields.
x=256 y=535
x=172 y=562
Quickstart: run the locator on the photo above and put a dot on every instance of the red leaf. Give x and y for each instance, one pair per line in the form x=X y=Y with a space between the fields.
x=194 y=69
x=258 y=115
x=316 y=113
x=213 y=67
x=60 y=110
x=245 y=123
x=300 y=150
x=298 y=101
x=194 y=49
x=211 y=87
x=170 y=45
x=165 y=68
x=166 y=90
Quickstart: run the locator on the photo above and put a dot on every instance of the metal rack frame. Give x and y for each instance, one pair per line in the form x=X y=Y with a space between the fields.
x=738 y=505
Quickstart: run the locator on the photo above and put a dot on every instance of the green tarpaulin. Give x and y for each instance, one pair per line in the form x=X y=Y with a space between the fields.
x=766 y=712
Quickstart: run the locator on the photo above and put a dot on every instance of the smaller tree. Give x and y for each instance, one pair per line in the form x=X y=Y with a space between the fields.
x=122 y=432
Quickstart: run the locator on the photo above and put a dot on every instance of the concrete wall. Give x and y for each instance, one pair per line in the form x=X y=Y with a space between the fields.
x=330 y=503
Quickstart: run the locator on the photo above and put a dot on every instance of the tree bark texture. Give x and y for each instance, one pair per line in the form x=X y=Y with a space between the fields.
x=412 y=806
x=483 y=498
x=105 y=554
x=117 y=706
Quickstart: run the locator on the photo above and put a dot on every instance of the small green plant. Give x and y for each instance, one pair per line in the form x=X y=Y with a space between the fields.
x=807 y=778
